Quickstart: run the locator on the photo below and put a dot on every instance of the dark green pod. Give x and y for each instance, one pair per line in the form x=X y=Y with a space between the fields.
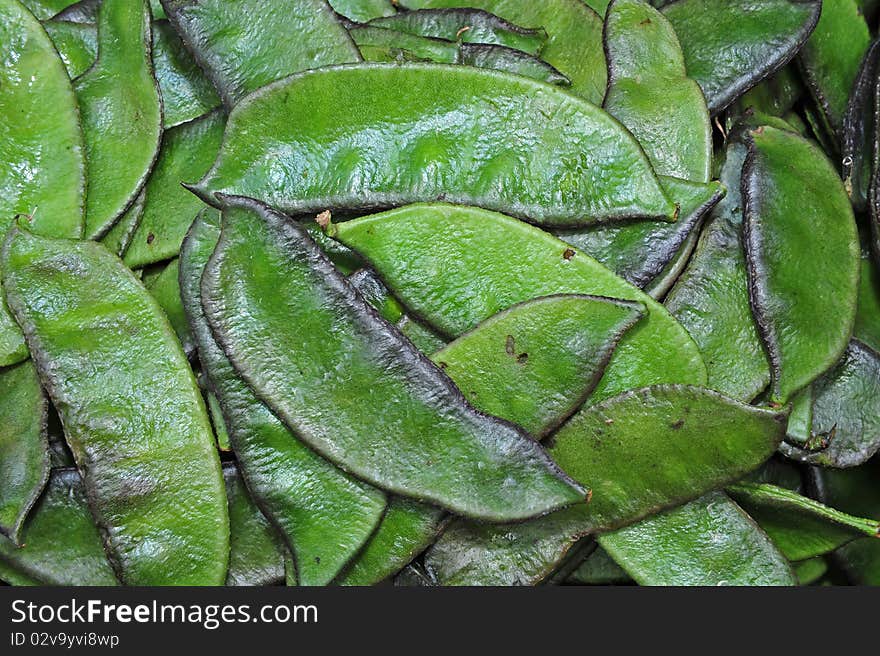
x=133 y=414
x=352 y=377
x=640 y=251
x=858 y=134
x=245 y=47
x=465 y=25
x=845 y=411
x=62 y=546
x=43 y=9
x=169 y=209
x=323 y=515
x=255 y=552
x=118 y=238
x=121 y=112
x=729 y=48
x=515 y=145
x=801 y=527
x=796 y=210
x=574 y=36
x=24 y=448
x=830 y=59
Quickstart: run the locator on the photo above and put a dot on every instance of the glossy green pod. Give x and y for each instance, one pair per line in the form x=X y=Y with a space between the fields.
x=857 y=492
x=121 y=112
x=640 y=251
x=466 y=25
x=186 y=92
x=574 y=36
x=499 y=262
x=859 y=129
x=24 y=447
x=166 y=290
x=711 y=297
x=515 y=145
x=41 y=158
x=353 y=380
x=323 y=515
x=169 y=209
x=244 y=47
x=77 y=44
x=703 y=439
x=383 y=45
x=796 y=210
x=533 y=364
x=801 y=527
x=845 y=419
x=62 y=546
x=255 y=552
x=363 y=10
x=830 y=59
x=729 y=48
x=650 y=92
x=132 y=412
x=709 y=542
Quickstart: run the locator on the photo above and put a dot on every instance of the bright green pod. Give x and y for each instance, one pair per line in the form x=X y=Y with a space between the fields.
x=41 y=154
x=796 y=211
x=846 y=412
x=831 y=58
x=641 y=252
x=574 y=36
x=121 y=112
x=362 y=11
x=169 y=209
x=77 y=44
x=62 y=546
x=133 y=414
x=166 y=290
x=711 y=297
x=650 y=92
x=186 y=92
x=702 y=439
x=323 y=515
x=24 y=447
x=500 y=262
x=710 y=542
x=465 y=25
x=383 y=45
x=730 y=47
x=118 y=238
x=801 y=527
x=255 y=553
x=352 y=378
x=533 y=364
x=855 y=491
x=245 y=47
x=515 y=145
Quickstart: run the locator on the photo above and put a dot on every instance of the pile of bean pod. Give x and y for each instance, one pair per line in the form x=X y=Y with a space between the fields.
x=439 y=292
